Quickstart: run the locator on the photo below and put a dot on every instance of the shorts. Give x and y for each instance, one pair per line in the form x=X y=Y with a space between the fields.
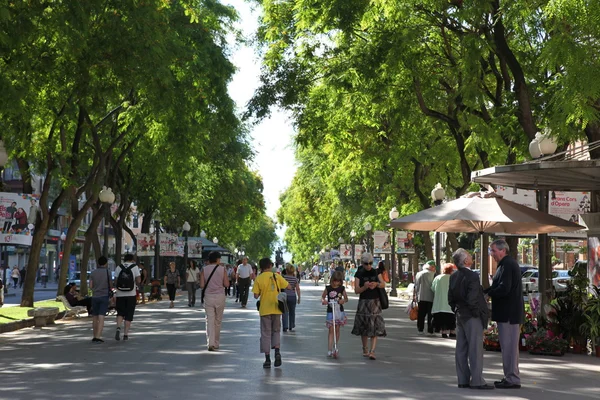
x=99 y=305
x=340 y=319
x=126 y=307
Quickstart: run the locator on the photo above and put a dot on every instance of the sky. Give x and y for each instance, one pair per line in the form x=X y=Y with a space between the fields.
x=272 y=138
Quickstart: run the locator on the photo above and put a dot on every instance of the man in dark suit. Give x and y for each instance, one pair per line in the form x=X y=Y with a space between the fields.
x=508 y=311
x=465 y=297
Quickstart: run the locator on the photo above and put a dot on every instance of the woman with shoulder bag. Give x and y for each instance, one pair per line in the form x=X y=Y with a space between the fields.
x=213 y=279
x=172 y=282
x=191 y=282
x=368 y=322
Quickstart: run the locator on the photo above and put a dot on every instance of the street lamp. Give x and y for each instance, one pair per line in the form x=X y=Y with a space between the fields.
x=393 y=215
x=157 y=271
x=368 y=228
x=215 y=240
x=186 y=231
x=107 y=197
x=203 y=234
x=352 y=236
x=63 y=237
x=437 y=194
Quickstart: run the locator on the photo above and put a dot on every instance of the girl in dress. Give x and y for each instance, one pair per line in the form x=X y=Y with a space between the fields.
x=335 y=292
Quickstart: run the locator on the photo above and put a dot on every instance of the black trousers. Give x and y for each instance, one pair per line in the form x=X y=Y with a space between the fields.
x=425 y=310
x=171 y=289
x=244 y=288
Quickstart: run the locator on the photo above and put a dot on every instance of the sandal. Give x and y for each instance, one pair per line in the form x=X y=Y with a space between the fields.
x=372 y=356
x=365 y=352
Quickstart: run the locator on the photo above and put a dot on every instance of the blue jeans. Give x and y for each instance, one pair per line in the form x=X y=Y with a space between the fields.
x=289 y=318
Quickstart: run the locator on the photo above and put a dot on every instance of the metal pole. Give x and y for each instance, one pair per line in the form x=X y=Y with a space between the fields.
x=5 y=266
x=438 y=255
x=106 y=207
x=157 y=250
x=393 y=292
x=185 y=250
x=353 y=253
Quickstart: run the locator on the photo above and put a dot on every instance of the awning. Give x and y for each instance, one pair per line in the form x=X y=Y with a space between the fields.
x=574 y=176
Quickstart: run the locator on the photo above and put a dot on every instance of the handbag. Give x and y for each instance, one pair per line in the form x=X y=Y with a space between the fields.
x=386 y=276
x=281 y=297
x=413 y=312
x=383 y=299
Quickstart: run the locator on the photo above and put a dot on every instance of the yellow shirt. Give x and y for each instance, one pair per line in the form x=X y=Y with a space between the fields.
x=264 y=285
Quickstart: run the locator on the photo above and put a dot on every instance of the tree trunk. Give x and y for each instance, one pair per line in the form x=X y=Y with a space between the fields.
x=427 y=245
x=87 y=246
x=592 y=131
x=32 y=266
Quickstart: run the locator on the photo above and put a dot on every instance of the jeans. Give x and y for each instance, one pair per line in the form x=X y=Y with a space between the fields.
x=191 y=289
x=289 y=318
x=244 y=288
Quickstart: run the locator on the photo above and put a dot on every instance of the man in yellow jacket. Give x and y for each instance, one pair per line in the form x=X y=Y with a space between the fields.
x=266 y=287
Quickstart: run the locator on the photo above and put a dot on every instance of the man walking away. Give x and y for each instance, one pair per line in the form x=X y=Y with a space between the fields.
x=465 y=297
x=127 y=276
x=424 y=296
x=508 y=311
x=244 y=275
x=266 y=288
x=214 y=303
x=100 y=286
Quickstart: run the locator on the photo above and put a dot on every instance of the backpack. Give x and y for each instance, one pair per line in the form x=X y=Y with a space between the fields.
x=125 y=280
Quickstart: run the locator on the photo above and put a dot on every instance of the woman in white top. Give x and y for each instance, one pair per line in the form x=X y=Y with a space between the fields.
x=192 y=279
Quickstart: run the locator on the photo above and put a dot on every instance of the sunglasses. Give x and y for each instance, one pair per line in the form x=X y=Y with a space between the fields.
x=369 y=263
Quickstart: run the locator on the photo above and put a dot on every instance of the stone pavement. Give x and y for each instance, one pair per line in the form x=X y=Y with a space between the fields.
x=166 y=357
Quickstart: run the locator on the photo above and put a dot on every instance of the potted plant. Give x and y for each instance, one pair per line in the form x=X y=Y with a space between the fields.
x=545 y=342
x=491 y=341
x=591 y=327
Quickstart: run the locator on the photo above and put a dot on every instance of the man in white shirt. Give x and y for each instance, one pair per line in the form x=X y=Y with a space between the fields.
x=126 y=294
x=244 y=275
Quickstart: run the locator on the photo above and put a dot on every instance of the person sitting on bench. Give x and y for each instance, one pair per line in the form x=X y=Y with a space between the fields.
x=74 y=299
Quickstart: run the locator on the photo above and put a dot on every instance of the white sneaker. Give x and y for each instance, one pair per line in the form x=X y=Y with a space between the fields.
x=329 y=354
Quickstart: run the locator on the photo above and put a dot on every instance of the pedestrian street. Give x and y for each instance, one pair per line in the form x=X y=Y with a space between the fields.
x=166 y=357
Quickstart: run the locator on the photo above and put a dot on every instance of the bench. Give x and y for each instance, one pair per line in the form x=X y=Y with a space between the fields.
x=43 y=316
x=71 y=311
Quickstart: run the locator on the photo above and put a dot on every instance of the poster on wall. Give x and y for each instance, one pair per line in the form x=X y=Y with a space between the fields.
x=568 y=205
x=17 y=212
x=359 y=249
x=404 y=242
x=594 y=260
x=346 y=251
x=381 y=242
x=194 y=248
x=146 y=244
x=169 y=245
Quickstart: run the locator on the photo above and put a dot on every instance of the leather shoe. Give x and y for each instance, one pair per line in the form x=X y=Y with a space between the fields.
x=483 y=387
x=499 y=382
x=507 y=385
x=463 y=385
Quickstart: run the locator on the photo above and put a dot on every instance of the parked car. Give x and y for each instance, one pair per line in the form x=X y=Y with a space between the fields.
x=530 y=280
x=560 y=279
x=526 y=267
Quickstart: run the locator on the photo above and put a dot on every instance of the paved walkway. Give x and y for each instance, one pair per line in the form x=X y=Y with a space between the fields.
x=166 y=357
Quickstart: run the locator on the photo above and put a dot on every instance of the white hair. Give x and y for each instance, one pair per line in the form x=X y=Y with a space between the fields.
x=459 y=257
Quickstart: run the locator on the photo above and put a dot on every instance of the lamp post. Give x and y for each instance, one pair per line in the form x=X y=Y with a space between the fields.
x=3 y=160
x=393 y=215
x=157 y=270
x=352 y=236
x=186 y=231
x=63 y=237
x=368 y=228
x=437 y=194
x=215 y=240
x=107 y=197
x=203 y=234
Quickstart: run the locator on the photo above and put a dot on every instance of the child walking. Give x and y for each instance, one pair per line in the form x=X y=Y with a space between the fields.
x=336 y=293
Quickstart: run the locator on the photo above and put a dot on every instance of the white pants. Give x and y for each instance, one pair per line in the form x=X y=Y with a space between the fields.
x=214 y=306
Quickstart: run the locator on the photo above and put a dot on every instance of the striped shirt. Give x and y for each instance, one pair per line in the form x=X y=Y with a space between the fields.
x=293 y=281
